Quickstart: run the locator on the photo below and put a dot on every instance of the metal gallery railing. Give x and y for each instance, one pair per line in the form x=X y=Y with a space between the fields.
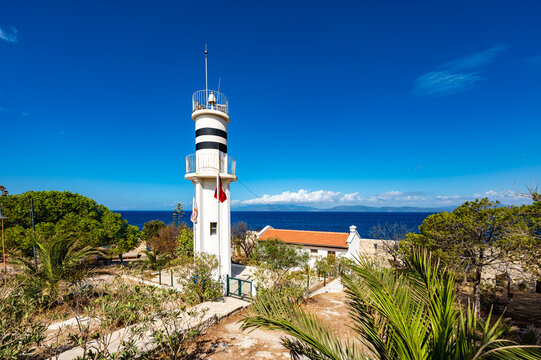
x=211 y=163
x=210 y=99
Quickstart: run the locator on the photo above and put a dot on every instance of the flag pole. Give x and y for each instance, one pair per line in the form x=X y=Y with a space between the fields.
x=194 y=220
x=218 y=191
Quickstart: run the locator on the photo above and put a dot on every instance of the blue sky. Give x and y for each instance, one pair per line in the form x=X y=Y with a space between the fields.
x=332 y=103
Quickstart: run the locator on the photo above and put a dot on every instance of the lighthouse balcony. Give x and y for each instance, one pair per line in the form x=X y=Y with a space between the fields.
x=206 y=165
x=210 y=100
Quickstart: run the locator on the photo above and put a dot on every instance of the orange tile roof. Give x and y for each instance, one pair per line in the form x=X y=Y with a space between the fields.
x=302 y=237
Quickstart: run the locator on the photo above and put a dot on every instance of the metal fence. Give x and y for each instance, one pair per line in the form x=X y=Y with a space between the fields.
x=211 y=163
x=239 y=287
x=210 y=99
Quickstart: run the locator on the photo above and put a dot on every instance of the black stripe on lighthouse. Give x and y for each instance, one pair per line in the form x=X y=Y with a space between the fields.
x=211 y=145
x=211 y=131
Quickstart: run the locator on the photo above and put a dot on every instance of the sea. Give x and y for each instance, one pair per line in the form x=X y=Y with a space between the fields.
x=296 y=220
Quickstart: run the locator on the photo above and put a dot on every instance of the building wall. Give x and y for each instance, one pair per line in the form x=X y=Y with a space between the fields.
x=208 y=212
x=322 y=252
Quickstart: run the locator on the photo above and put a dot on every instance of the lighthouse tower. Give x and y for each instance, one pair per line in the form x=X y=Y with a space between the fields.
x=205 y=169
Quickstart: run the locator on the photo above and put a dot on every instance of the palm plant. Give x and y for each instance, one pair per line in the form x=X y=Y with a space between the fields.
x=155 y=261
x=408 y=313
x=60 y=259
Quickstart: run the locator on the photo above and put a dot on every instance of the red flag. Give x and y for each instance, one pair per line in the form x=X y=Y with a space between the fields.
x=223 y=196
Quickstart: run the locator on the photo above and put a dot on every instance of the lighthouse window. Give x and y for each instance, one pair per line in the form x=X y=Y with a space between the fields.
x=213 y=228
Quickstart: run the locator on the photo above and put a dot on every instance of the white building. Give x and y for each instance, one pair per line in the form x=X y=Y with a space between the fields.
x=324 y=243
x=212 y=228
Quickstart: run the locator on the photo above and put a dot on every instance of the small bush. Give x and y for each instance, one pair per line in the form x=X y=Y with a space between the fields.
x=532 y=336
x=19 y=332
x=489 y=296
x=199 y=279
x=522 y=286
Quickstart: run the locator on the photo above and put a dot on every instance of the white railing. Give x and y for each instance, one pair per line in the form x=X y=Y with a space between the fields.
x=211 y=163
x=210 y=99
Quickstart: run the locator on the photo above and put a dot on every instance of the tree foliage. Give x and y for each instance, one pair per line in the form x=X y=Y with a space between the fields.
x=279 y=256
x=392 y=234
x=327 y=266
x=409 y=313
x=151 y=228
x=280 y=267
x=170 y=240
x=475 y=235
x=166 y=242
x=185 y=241
x=63 y=213
x=242 y=237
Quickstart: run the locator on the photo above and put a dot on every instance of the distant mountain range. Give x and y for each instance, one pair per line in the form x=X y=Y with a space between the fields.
x=342 y=208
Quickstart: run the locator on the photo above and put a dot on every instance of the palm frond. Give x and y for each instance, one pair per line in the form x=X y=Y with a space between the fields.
x=314 y=339
x=410 y=313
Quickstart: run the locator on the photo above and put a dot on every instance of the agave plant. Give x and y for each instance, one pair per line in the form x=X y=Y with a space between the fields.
x=409 y=313
x=60 y=259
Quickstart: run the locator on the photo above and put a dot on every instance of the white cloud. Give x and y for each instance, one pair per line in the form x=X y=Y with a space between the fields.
x=350 y=197
x=444 y=83
x=327 y=198
x=476 y=60
x=9 y=36
x=300 y=197
x=500 y=195
x=448 y=197
x=330 y=197
x=456 y=76
x=396 y=196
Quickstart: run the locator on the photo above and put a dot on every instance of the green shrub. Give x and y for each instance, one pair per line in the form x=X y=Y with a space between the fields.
x=19 y=332
x=523 y=286
x=199 y=279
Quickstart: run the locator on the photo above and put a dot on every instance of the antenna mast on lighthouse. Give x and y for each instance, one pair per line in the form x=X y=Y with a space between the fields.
x=206 y=74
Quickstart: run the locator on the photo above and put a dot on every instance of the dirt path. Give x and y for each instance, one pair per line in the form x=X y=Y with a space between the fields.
x=227 y=341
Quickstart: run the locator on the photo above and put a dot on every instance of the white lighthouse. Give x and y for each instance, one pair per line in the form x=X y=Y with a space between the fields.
x=212 y=227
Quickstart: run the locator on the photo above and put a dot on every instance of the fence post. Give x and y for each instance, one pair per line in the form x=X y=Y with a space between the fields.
x=160 y=276
x=227 y=284
x=240 y=287
x=171 y=278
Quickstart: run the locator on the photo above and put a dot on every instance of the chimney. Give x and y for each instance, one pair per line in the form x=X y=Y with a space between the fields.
x=352 y=229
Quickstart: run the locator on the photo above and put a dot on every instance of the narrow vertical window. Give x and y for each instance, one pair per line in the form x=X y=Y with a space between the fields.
x=213 y=228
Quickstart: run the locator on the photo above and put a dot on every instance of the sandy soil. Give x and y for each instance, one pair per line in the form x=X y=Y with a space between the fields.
x=227 y=341
x=523 y=310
